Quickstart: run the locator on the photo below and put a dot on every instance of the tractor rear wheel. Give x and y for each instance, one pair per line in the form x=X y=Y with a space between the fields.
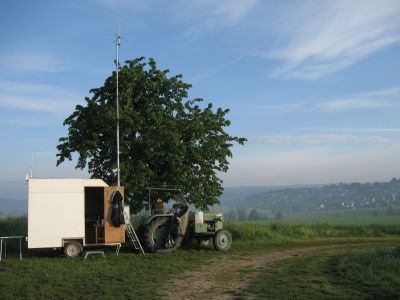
x=158 y=238
x=222 y=240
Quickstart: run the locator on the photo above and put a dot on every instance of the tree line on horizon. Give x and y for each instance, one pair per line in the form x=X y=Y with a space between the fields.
x=321 y=198
x=246 y=214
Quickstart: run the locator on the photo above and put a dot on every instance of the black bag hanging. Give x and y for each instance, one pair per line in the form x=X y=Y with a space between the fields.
x=117 y=212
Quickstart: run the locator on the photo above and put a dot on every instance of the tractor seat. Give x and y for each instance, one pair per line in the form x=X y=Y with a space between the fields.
x=158 y=211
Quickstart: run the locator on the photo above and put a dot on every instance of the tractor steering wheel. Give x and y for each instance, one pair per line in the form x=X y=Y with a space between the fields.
x=179 y=210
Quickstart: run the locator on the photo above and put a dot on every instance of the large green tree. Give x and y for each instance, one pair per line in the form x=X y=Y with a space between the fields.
x=165 y=138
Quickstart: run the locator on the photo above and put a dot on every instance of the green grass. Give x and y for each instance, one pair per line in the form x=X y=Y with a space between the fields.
x=357 y=274
x=49 y=274
x=375 y=272
x=127 y=276
x=263 y=231
x=297 y=278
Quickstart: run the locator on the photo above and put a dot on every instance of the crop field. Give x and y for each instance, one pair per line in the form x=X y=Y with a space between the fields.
x=344 y=217
x=267 y=260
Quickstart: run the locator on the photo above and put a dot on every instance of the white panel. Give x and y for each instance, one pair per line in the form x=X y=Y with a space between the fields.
x=94 y=183
x=55 y=211
x=63 y=185
x=54 y=216
x=56 y=185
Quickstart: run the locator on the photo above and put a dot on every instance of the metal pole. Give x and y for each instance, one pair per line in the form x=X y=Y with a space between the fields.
x=118 y=43
x=149 y=201
x=20 y=250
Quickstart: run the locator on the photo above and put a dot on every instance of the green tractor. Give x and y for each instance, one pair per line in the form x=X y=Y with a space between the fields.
x=166 y=220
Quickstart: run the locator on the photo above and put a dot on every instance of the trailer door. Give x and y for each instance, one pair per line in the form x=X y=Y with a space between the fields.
x=112 y=233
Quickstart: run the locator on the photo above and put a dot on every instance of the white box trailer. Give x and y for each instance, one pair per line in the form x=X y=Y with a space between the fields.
x=73 y=213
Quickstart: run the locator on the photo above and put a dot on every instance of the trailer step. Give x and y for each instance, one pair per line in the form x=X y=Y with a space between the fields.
x=94 y=252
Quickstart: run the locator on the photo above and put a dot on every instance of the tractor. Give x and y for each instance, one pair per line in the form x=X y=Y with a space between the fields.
x=166 y=220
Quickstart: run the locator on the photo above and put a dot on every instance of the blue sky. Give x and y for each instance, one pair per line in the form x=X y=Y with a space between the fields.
x=313 y=85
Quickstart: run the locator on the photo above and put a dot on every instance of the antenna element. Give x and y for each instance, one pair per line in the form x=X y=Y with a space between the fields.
x=32 y=165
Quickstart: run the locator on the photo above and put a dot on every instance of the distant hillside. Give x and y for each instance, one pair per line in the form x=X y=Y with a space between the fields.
x=300 y=198
x=234 y=197
x=335 y=196
x=13 y=206
x=13 y=197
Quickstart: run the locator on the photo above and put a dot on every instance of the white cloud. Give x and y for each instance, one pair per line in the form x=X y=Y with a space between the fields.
x=315 y=165
x=326 y=36
x=353 y=129
x=227 y=11
x=28 y=62
x=194 y=17
x=281 y=107
x=395 y=91
x=378 y=99
x=354 y=103
x=115 y=4
x=214 y=70
x=318 y=139
x=369 y=100
x=208 y=15
x=23 y=122
x=37 y=97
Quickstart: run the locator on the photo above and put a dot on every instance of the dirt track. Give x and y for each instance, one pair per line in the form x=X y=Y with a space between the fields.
x=232 y=273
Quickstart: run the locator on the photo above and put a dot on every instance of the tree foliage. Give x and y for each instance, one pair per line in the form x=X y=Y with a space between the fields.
x=242 y=214
x=278 y=215
x=165 y=139
x=254 y=215
x=230 y=215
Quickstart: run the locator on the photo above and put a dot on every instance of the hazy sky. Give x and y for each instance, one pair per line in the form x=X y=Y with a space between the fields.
x=313 y=85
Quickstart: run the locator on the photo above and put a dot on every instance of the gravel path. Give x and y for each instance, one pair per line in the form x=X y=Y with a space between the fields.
x=221 y=277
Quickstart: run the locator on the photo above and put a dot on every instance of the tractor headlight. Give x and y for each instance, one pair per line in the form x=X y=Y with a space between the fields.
x=219 y=217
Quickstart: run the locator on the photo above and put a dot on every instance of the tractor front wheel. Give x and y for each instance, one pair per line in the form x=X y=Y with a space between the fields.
x=159 y=238
x=222 y=240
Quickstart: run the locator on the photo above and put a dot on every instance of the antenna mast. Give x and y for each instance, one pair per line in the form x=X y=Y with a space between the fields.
x=117 y=44
x=32 y=166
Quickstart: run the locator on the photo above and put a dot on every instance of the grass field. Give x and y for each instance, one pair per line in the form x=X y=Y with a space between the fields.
x=342 y=273
x=360 y=216
x=343 y=217
x=129 y=275
x=331 y=273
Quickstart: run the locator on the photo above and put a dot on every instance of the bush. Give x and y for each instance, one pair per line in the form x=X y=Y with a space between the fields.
x=14 y=226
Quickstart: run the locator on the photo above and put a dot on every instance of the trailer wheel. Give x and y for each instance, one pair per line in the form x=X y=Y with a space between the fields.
x=72 y=249
x=222 y=240
x=156 y=235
